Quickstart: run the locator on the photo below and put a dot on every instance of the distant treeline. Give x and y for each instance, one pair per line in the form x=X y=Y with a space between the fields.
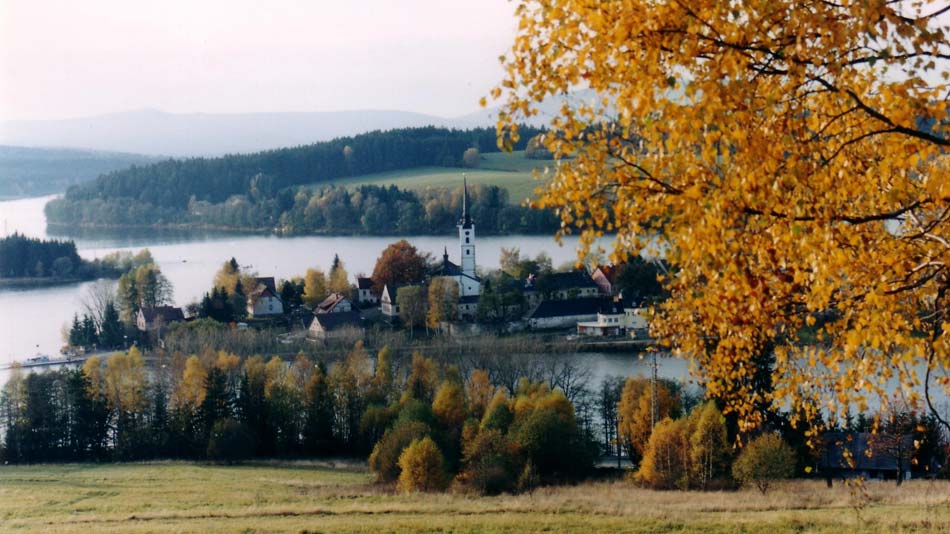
x=40 y=171
x=26 y=257
x=262 y=190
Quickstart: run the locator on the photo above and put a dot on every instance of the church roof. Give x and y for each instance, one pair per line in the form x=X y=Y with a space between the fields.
x=446 y=268
x=466 y=220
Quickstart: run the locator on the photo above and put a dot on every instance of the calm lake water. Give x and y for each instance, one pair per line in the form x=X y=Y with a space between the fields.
x=31 y=320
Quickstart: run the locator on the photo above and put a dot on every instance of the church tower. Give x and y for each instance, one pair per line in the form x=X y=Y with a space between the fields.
x=469 y=281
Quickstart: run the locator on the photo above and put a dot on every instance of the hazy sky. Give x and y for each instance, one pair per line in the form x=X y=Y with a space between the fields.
x=62 y=59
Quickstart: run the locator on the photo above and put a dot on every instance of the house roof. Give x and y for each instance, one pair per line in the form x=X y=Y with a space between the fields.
x=389 y=292
x=883 y=448
x=329 y=303
x=446 y=268
x=333 y=321
x=568 y=280
x=610 y=271
x=363 y=282
x=612 y=307
x=167 y=314
x=268 y=282
x=569 y=307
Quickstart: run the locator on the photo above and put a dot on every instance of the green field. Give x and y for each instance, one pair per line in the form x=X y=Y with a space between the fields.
x=322 y=497
x=512 y=171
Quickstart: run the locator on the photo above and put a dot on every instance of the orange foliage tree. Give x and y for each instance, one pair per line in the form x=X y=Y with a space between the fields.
x=789 y=159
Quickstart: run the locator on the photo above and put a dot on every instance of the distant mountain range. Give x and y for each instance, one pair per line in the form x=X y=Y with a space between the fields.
x=158 y=133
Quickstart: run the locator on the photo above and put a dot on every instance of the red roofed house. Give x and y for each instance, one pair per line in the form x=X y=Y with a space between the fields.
x=263 y=300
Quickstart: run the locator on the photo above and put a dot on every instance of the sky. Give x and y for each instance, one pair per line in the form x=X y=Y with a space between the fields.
x=66 y=59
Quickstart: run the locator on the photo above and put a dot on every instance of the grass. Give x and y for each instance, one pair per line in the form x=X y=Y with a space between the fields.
x=323 y=497
x=511 y=171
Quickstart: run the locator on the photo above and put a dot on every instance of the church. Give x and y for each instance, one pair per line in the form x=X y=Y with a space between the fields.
x=470 y=286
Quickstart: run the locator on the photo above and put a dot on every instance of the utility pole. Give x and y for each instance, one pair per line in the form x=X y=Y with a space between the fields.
x=653 y=407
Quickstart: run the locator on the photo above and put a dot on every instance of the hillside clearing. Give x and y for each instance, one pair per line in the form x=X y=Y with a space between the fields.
x=327 y=497
x=511 y=171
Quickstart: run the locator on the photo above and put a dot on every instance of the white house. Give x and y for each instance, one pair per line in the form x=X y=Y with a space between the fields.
x=332 y=325
x=151 y=319
x=364 y=291
x=611 y=321
x=335 y=303
x=387 y=301
x=564 y=313
x=263 y=300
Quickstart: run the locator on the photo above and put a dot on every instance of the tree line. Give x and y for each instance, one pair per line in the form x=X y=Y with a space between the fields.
x=263 y=190
x=27 y=257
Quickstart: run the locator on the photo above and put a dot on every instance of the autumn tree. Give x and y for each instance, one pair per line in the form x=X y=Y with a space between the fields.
x=636 y=412
x=443 y=301
x=421 y=467
x=763 y=461
x=666 y=458
x=339 y=279
x=400 y=263
x=471 y=157
x=412 y=306
x=315 y=287
x=789 y=159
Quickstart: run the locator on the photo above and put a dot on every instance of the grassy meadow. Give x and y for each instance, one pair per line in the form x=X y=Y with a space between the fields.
x=511 y=171
x=326 y=497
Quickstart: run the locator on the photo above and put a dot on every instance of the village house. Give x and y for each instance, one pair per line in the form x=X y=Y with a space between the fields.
x=150 y=319
x=610 y=321
x=560 y=286
x=335 y=303
x=327 y=326
x=263 y=299
x=565 y=313
x=605 y=276
x=387 y=301
x=873 y=456
x=364 y=292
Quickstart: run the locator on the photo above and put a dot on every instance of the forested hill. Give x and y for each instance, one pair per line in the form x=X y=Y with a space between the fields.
x=261 y=191
x=40 y=171
x=172 y=183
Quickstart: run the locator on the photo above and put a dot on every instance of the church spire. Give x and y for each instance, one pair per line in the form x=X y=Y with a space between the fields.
x=466 y=218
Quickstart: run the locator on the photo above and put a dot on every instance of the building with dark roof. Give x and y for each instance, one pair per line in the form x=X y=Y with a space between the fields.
x=150 y=319
x=329 y=325
x=263 y=299
x=880 y=456
x=565 y=313
x=561 y=285
x=364 y=291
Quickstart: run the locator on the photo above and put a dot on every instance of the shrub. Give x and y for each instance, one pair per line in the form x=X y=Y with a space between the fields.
x=229 y=442
x=491 y=463
x=421 y=467
x=765 y=459
x=384 y=461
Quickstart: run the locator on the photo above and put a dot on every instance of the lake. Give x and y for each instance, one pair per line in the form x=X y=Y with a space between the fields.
x=31 y=320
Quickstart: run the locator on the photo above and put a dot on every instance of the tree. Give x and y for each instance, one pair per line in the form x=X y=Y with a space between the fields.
x=666 y=459
x=400 y=263
x=635 y=411
x=339 y=279
x=412 y=306
x=443 y=301
x=421 y=467
x=764 y=460
x=315 y=287
x=788 y=158
x=111 y=331
x=471 y=157
x=229 y=442
x=708 y=445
